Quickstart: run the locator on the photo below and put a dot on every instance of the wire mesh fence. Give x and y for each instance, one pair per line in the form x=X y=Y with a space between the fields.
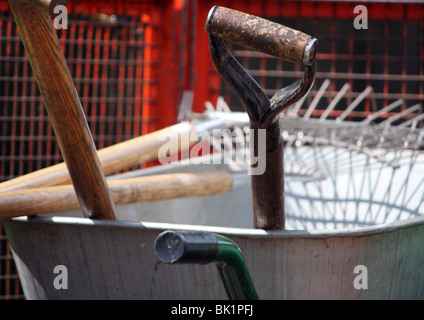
x=113 y=57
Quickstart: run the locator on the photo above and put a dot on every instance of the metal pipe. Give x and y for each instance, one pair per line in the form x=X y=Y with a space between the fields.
x=201 y=247
x=268 y=187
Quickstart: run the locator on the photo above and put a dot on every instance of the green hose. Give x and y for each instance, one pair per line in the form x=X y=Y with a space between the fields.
x=204 y=247
x=233 y=271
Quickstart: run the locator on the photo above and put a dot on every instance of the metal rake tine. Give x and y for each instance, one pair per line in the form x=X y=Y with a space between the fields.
x=336 y=100
x=209 y=106
x=293 y=112
x=317 y=98
x=354 y=104
x=371 y=153
x=388 y=108
x=401 y=114
x=221 y=105
x=412 y=122
x=186 y=106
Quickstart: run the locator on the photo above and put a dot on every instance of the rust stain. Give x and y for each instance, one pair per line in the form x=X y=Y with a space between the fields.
x=258 y=34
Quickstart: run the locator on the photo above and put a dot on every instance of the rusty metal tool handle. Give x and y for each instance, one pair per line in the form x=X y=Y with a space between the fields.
x=225 y=24
x=261 y=35
x=64 y=108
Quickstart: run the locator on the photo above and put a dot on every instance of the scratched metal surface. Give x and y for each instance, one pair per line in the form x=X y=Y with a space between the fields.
x=314 y=259
x=115 y=260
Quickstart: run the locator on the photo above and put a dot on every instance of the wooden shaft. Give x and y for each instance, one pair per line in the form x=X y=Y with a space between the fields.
x=261 y=35
x=64 y=108
x=46 y=5
x=142 y=189
x=114 y=158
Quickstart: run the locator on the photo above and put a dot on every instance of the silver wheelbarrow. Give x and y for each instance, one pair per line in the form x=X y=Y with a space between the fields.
x=68 y=255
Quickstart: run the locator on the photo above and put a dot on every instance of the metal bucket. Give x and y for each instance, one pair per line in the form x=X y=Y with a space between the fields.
x=374 y=255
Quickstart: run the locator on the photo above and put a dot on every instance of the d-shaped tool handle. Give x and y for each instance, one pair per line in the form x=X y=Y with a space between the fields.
x=261 y=35
x=225 y=24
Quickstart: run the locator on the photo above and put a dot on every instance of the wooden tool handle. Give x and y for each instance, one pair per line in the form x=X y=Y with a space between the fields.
x=64 y=108
x=261 y=35
x=114 y=158
x=46 y=5
x=151 y=188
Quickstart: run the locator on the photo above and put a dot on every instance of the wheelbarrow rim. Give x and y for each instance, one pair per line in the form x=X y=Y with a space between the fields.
x=228 y=231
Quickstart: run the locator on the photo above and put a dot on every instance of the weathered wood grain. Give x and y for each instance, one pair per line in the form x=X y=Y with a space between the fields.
x=64 y=108
x=141 y=189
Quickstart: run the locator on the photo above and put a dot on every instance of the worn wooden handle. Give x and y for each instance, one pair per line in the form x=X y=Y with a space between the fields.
x=46 y=5
x=142 y=189
x=261 y=35
x=64 y=108
x=117 y=157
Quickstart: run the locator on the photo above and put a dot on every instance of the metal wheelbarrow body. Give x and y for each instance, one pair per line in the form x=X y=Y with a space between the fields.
x=115 y=259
